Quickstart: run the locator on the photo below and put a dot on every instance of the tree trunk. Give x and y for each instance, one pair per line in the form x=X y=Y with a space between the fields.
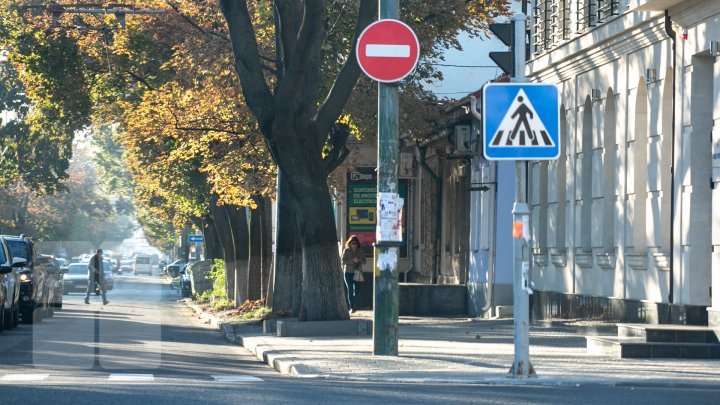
x=287 y=285
x=213 y=247
x=266 y=246
x=323 y=291
x=255 y=260
x=238 y=222
x=225 y=240
x=184 y=244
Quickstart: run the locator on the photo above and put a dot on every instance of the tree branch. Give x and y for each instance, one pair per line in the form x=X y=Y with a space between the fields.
x=339 y=151
x=310 y=32
x=289 y=13
x=247 y=63
x=140 y=79
x=194 y=24
x=340 y=92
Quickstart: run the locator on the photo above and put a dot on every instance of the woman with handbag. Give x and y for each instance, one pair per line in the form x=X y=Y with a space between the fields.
x=352 y=259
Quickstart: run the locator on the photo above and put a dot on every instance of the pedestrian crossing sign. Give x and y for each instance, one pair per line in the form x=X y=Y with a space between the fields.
x=521 y=121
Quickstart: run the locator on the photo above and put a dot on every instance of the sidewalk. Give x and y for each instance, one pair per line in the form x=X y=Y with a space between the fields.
x=463 y=351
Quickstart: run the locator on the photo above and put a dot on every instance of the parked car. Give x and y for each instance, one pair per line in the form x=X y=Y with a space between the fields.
x=76 y=278
x=55 y=279
x=173 y=269
x=126 y=266
x=185 y=283
x=63 y=263
x=142 y=265
x=35 y=292
x=9 y=288
x=109 y=280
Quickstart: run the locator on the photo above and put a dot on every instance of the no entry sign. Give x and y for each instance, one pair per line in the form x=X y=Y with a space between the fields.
x=387 y=50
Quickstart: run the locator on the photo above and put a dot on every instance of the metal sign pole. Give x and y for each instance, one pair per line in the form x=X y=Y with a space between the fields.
x=386 y=305
x=521 y=367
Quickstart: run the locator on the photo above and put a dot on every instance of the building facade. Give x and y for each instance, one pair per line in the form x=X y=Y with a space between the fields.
x=626 y=223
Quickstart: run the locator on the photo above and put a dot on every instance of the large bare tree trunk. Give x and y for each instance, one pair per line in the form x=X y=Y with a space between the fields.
x=298 y=127
x=323 y=294
x=287 y=273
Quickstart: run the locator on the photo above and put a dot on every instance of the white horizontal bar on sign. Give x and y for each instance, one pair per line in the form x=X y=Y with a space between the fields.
x=387 y=51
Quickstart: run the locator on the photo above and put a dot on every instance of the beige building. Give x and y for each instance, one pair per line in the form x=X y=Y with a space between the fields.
x=627 y=220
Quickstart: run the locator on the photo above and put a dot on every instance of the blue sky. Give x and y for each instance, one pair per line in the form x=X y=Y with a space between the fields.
x=459 y=81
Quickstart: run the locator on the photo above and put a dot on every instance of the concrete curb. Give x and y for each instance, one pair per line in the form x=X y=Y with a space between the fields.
x=291 y=366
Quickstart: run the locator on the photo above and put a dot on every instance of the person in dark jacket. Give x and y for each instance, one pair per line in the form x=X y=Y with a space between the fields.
x=353 y=258
x=96 y=276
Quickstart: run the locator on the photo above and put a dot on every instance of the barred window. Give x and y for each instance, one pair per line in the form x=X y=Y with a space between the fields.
x=551 y=23
x=590 y=13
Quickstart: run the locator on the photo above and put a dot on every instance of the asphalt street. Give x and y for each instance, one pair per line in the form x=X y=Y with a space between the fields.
x=144 y=348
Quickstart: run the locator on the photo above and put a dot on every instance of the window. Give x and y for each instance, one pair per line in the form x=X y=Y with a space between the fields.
x=19 y=249
x=551 y=23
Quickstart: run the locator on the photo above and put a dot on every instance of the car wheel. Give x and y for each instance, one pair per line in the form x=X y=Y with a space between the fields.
x=32 y=314
x=2 y=320
x=16 y=317
x=8 y=318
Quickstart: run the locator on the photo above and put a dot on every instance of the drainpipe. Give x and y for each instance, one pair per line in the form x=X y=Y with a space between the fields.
x=422 y=150
x=491 y=255
x=671 y=33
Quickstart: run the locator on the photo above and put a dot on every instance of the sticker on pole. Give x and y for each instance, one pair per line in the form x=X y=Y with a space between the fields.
x=521 y=121
x=387 y=50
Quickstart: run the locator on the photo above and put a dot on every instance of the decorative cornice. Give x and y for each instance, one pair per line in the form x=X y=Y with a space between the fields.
x=599 y=46
x=606 y=260
x=637 y=261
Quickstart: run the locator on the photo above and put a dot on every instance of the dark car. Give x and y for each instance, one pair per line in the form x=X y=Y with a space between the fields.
x=9 y=288
x=173 y=269
x=76 y=278
x=54 y=274
x=185 y=283
x=35 y=291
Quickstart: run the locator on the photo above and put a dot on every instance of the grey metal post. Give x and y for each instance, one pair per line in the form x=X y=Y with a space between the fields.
x=521 y=367
x=386 y=300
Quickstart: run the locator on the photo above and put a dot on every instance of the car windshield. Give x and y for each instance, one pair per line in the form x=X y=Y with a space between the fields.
x=142 y=260
x=3 y=259
x=77 y=268
x=18 y=249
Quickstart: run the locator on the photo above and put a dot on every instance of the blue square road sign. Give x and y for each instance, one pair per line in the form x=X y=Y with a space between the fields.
x=521 y=121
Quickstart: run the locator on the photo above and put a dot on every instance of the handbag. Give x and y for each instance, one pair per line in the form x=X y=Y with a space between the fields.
x=358 y=277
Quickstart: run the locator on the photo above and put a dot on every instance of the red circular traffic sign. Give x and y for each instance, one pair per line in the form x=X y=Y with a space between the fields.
x=387 y=50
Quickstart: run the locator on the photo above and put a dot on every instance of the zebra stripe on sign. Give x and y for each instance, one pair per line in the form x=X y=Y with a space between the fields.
x=521 y=126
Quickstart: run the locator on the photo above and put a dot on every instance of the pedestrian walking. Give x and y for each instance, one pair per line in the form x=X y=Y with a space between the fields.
x=352 y=259
x=96 y=276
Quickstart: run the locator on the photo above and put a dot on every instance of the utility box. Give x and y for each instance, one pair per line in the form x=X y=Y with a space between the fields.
x=463 y=139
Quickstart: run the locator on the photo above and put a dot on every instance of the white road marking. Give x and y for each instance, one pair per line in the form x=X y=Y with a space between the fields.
x=235 y=378
x=131 y=377
x=387 y=51
x=24 y=377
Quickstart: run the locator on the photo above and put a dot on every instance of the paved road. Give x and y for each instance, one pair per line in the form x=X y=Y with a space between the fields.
x=145 y=348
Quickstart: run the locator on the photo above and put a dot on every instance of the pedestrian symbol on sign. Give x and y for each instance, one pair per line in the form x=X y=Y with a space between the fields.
x=521 y=126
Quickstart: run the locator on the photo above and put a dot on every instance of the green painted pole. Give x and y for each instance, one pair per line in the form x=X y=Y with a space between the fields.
x=386 y=300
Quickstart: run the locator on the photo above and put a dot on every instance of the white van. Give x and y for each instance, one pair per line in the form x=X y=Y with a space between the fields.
x=142 y=265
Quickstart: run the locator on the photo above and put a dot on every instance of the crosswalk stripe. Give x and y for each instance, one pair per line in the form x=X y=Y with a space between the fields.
x=24 y=377
x=235 y=378
x=131 y=377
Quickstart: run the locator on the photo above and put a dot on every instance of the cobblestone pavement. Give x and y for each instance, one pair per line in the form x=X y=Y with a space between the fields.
x=468 y=351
